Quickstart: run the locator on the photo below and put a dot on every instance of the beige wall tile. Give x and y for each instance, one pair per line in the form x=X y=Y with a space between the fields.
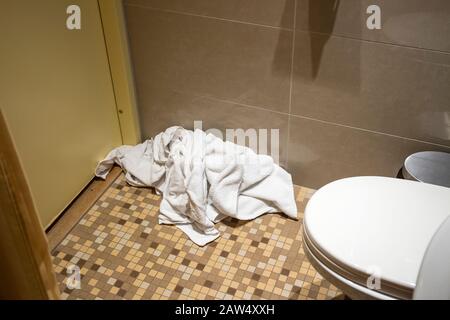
x=230 y=61
x=279 y=13
x=167 y=108
x=417 y=23
x=230 y=74
x=392 y=89
x=320 y=153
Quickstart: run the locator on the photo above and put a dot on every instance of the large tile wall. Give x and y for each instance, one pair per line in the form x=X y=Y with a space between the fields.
x=347 y=100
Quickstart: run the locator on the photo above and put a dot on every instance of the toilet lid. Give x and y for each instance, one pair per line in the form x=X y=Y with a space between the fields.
x=376 y=225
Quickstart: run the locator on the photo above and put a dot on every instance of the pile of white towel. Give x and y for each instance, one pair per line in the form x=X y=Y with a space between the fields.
x=203 y=179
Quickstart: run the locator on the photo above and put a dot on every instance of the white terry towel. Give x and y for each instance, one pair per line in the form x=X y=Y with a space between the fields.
x=203 y=179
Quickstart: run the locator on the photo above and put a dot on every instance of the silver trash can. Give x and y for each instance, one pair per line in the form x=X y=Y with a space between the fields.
x=430 y=167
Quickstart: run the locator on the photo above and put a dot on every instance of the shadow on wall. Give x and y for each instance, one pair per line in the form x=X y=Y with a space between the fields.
x=322 y=16
x=283 y=49
x=325 y=59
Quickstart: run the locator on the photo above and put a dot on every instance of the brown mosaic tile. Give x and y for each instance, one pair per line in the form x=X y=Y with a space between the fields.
x=123 y=253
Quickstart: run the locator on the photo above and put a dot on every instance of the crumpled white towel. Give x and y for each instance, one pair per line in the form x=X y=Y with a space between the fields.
x=203 y=179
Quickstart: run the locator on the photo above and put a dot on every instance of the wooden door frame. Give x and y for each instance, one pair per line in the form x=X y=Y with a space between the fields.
x=26 y=270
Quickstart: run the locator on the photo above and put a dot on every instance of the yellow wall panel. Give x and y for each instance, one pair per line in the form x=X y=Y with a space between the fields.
x=119 y=59
x=57 y=96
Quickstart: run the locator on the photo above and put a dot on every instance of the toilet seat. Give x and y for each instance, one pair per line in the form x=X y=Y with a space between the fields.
x=361 y=225
x=351 y=279
x=350 y=288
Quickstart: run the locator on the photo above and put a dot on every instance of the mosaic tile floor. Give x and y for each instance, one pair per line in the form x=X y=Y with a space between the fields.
x=123 y=253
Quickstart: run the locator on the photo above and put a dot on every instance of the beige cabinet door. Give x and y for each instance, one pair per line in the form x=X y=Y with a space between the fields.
x=57 y=97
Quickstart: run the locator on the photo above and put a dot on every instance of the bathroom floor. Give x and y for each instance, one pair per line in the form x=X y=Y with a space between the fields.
x=123 y=253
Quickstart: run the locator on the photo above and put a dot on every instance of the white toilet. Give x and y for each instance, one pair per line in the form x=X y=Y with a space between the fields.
x=368 y=235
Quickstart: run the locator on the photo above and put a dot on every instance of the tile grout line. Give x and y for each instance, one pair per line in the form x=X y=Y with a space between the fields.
x=370 y=131
x=375 y=41
x=287 y=29
x=294 y=30
x=324 y=121
x=242 y=104
x=291 y=80
x=208 y=17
